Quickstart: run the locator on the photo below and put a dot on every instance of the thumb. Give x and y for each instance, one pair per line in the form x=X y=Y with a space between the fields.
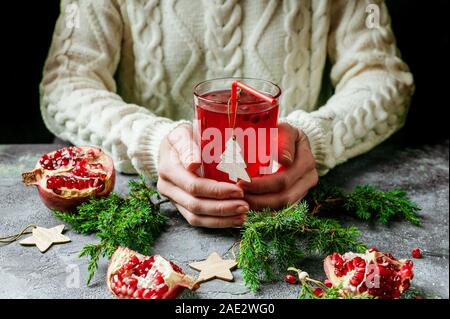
x=287 y=140
x=182 y=141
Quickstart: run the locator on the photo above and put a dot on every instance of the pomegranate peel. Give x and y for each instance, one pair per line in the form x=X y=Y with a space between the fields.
x=70 y=176
x=132 y=275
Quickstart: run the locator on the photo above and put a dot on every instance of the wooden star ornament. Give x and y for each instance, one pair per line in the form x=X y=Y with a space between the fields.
x=43 y=238
x=214 y=268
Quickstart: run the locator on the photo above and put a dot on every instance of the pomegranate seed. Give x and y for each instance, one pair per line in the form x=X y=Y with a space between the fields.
x=50 y=183
x=134 y=260
x=409 y=264
x=407 y=272
x=328 y=283
x=383 y=271
x=147 y=265
x=416 y=253
x=318 y=292
x=290 y=279
x=363 y=288
x=101 y=187
x=128 y=266
x=82 y=184
x=130 y=291
x=338 y=273
x=361 y=264
x=148 y=293
x=349 y=266
x=396 y=294
x=163 y=289
x=132 y=282
x=354 y=281
x=158 y=278
x=138 y=293
x=359 y=276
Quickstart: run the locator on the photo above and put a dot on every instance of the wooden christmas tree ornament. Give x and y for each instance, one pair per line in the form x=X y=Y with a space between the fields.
x=214 y=268
x=232 y=162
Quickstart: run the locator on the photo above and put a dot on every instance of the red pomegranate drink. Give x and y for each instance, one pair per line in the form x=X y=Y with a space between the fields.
x=254 y=125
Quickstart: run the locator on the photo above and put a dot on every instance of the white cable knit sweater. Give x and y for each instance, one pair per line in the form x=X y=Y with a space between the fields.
x=123 y=78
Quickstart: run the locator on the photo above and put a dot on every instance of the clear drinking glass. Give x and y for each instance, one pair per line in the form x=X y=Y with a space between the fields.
x=255 y=120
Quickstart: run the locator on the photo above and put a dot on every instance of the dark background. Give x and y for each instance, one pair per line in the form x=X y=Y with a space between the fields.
x=421 y=29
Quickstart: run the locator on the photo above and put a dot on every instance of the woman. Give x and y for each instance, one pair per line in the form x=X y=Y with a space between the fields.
x=120 y=75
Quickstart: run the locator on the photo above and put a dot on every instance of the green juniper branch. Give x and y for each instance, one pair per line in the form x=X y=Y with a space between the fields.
x=273 y=240
x=365 y=202
x=132 y=221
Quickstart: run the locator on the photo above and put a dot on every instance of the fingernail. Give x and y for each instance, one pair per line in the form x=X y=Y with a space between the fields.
x=287 y=157
x=237 y=194
x=240 y=221
x=242 y=209
x=243 y=184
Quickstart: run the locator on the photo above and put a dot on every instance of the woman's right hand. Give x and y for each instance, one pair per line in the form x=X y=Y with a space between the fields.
x=203 y=202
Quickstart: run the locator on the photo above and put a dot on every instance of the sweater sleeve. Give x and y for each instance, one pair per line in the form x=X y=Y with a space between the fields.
x=373 y=87
x=79 y=102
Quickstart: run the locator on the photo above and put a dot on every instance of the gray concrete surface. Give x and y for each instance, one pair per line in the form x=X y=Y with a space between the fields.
x=423 y=172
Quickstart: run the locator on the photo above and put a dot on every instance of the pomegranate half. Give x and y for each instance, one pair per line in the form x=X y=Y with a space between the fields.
x=379 y=274
x=70 y=176
x=131 y=275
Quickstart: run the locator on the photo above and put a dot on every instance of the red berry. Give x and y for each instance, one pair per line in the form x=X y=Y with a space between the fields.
x=318 y=292
x=254 y=119
x=416 y=253
x=290 y=279
x=328 y=283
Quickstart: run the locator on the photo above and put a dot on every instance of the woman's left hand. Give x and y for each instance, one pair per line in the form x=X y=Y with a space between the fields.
x=292 y=183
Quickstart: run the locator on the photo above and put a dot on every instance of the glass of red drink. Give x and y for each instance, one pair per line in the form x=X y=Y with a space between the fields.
x=255 y=123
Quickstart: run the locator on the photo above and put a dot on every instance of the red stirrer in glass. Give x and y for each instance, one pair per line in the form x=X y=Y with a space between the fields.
x=236 y=84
